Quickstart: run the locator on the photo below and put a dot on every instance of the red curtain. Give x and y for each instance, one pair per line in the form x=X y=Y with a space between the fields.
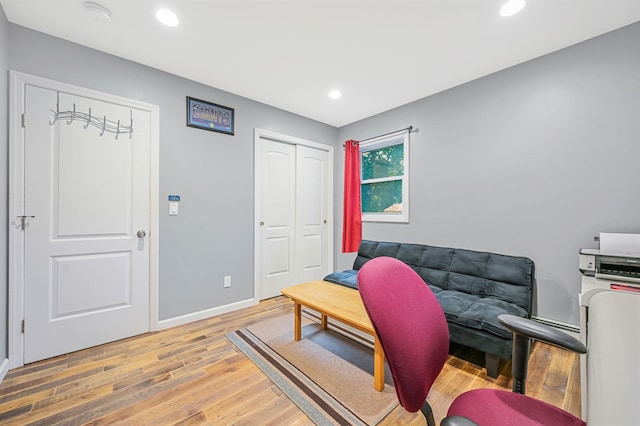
x=352 y=215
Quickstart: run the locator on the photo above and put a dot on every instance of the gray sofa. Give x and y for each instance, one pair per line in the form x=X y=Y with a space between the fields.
x=472 y=287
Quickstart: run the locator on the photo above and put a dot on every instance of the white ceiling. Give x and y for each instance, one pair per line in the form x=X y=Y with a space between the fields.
x=291 y=53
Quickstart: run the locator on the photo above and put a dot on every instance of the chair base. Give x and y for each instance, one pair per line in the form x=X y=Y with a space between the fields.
x=427 y=412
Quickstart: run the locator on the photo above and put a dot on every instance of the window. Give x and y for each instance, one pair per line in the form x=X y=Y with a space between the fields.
x=384 y=184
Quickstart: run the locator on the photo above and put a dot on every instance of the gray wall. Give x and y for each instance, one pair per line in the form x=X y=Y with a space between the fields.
x=213 y=173
x=534 y=161
x=4 y=188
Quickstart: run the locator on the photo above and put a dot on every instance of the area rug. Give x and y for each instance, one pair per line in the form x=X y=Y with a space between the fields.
x=329 y=376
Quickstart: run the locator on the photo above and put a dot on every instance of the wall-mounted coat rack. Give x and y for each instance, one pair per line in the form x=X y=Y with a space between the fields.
x=101 y=123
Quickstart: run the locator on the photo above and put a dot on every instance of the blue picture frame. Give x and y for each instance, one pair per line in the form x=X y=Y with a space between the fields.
x=209 y=116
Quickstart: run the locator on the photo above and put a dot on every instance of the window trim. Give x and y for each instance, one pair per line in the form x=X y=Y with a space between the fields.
x=397 y=138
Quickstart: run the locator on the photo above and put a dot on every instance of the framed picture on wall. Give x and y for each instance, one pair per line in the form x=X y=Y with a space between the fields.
x=209 y=116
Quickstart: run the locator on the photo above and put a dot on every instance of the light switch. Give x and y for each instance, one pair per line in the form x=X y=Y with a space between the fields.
x=173 y=209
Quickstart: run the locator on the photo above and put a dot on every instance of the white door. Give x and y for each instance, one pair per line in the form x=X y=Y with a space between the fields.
x=312 y=215
x=86 y=271
x=293 y=203
x=278 y=203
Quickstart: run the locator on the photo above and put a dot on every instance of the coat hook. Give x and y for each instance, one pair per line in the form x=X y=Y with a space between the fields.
x=56 y=113
x=88 y=120
x=73 y=115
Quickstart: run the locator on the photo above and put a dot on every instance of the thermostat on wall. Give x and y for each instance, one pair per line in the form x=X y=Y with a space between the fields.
x=173 y=205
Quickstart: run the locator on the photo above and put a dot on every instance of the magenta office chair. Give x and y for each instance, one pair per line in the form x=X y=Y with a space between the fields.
x=414 y=334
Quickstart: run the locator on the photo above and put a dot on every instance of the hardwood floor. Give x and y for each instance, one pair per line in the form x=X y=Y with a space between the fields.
x=192 y=374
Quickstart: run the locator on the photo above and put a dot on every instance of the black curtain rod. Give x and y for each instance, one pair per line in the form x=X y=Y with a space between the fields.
x=410 y=129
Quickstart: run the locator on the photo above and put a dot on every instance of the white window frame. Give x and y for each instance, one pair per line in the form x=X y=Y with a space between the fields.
x=396 y=138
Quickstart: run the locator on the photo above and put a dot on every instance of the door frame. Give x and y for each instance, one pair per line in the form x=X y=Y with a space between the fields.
x=16 y=262
x=257 y=242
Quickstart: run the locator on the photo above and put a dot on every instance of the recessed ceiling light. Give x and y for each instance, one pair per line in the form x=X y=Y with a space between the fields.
x=97 y=12
x=167 y=17
x=512 y=7
x=335 y=94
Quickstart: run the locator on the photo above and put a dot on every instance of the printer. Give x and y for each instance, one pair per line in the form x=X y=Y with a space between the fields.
x=606 y=271
x=609 y=271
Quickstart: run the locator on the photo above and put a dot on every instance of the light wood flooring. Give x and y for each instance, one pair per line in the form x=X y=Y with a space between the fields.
x=191 y=374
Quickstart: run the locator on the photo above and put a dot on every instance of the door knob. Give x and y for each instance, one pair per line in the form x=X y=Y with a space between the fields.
x=141 y=234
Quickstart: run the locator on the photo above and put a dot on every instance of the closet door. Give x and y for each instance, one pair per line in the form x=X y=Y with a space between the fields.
x=312 y=214
x=277 y=219
x=293 y=203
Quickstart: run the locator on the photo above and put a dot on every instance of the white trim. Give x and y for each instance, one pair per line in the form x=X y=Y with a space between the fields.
x=16 y=243
x=207 y=313
x=154 y=219
x=4 y=369
x=383 y=142
x=257 y=243
x=279 y=137
x=18 y=82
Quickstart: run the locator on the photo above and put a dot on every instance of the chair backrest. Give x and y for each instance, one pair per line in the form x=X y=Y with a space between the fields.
x=410 y=324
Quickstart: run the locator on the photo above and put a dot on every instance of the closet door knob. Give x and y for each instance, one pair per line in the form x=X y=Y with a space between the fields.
x=141 y=234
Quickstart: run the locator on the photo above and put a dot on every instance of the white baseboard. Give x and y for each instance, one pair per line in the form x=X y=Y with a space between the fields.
x=207 y=313
x=4 y=369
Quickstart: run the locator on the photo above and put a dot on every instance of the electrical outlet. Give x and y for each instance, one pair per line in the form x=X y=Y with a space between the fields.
x=227 y=281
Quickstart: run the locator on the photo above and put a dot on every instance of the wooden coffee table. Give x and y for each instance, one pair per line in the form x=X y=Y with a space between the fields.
x=342 y=304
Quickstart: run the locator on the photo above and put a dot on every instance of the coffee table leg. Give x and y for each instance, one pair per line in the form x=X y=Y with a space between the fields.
x=297 y=321
x=378 y=365
x=324 y=322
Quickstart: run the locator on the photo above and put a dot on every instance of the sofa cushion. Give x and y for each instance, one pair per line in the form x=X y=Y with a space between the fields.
x=346 y=278
x=477 y=312
x=371 y=249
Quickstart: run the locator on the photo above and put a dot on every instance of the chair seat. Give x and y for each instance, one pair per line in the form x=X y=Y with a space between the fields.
x=497 y=408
